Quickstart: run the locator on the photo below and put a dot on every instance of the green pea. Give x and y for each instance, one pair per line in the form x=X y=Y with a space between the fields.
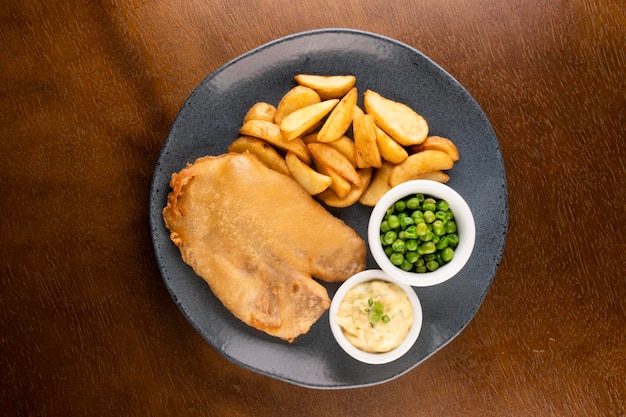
x=389 y=237
x=427 y=248
x=421 y=229
x=398 y=245
x=432 y=265
x=384 y=226
x=421 y=269
x=396 y=258
x=441 y=215
x=400 y=205
x=413 y=203
x=411 y=232
x=406 y=265
x=447 y=254
x=426 y=237
x=411 y=245
x=406 y=221
x=429 y=204
x=453 y=240
x=388 y=250
x=429 y=216
x=420 y=261
x=442 y=205
x=420 y=197
x=393 y=221
x=438 y=228
x=417 y=214
x=442 y=244
x=451 y=227
x=411 y=257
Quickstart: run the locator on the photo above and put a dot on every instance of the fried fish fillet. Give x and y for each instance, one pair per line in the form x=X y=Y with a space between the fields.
x=257 y=238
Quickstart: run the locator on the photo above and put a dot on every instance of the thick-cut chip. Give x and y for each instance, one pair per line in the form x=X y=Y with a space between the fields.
x=308 y=178
x=326 y=155
x=390 y=150
x=260 y=111
x=331 y=199
x=296 y=98
x=438 y=176
x=327 y=86
x=418 y=164
x=346 y=146
x=359 y=161
x=339 y=184
x=339 y=119
x=400 y=121
x=364 y=131
x=378 y=186
x=310 y=138
x=440 y=144
x=270 y=132
x=264 y=151
x=300 y=121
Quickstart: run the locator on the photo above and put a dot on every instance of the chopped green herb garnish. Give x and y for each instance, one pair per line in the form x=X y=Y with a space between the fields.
x=376 y=312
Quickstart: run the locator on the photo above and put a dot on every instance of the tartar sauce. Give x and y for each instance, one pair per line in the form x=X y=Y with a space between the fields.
x=353 y=315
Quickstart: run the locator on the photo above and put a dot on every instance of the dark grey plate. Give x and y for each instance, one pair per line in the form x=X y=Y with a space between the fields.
x=209 y=121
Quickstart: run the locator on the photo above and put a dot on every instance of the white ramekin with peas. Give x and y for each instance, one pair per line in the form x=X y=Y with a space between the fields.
x=421 y=232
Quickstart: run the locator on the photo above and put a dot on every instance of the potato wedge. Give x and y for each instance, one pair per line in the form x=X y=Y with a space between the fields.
x=310 y=138
x=339 y=184
x=324 y=154
x=339 y=119
x=390 y=150
x=438 y=176
x=365 y=138
x=296 y=98
x=378 y=186
x=308 y=178
x=418 y=164
x=331 y=199
x=260 y=111
x=327 y=86
x=346 y=146
x=263 y=150
x=400 y=121
x=300 y=121
x=313 y=129
x=360 y=162
x=438 y=143
x=270 y=132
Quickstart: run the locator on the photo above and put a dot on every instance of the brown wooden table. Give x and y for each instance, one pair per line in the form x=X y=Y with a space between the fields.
x=88 y=92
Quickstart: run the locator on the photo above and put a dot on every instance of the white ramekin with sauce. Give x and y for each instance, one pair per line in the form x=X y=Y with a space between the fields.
x=375 y=318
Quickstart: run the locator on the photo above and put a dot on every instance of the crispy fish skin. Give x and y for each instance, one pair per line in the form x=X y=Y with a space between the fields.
x=257 y=238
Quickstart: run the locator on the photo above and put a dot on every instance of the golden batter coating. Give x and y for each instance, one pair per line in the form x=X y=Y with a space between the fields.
x=257 y=238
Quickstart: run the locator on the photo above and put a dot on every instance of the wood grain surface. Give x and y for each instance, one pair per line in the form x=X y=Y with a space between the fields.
x=88 y=90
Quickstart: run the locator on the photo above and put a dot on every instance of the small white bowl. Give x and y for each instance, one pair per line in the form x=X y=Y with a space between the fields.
x=462 y=216
x=368 y=357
